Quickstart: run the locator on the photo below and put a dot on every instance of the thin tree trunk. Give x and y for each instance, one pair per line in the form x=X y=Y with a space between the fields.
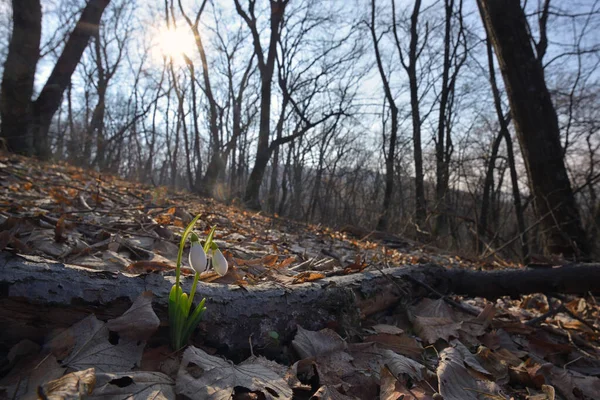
x=383 y=222
x=266 y=67
x=51 y=95
x=487 y=188
x=96 y=127
x=411 y=70
x=444 y=138
x=18 y=76
x=511 y=158
x=537 y=127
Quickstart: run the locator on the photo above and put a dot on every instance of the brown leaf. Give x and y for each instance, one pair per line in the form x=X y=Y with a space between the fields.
x=400 y=365
x=308 y=277
x=572 y=385
x=202 y=376
x=430 y=329
x=311 y=344
x=328 y=392
x=285 y=263
x=71 y=386
x=270 y=260
x=27 y=374
x=494 y=364
x=393 y=388
x=402 y=344
x=456 y=383
x=86 y=344
x=59 y=229
x=144 y=267
x=139 y=322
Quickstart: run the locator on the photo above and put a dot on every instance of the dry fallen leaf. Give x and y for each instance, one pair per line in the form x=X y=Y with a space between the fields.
x=139 y=322
x=71 y=386
x=137 y=385
x=400 y=365
x=433 y=320
x=28 y=374
x=402 y=344
x=312 y=344
x=456 y=383
x=572 y=385
x=205 y=377
x=88 y=344
x=393 y=388
x=330 y=393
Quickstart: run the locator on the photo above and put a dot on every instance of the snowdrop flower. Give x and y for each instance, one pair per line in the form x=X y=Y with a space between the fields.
x=198 y=258
x=219 y=262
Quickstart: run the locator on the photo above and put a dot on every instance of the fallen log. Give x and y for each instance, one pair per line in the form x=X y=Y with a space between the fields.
x=38 y=296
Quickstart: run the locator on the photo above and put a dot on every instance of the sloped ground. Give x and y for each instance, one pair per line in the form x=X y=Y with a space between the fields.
x=536 y=347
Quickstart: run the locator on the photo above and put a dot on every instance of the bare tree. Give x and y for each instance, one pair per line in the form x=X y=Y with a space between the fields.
x=409 y=62
x=50 y=97
x=455 y=55
x=537 y=127
x=19 y=74
x=390 y=157
x=266 y=66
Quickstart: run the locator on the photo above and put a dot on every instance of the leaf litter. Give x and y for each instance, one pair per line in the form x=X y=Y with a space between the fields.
x=534 y=347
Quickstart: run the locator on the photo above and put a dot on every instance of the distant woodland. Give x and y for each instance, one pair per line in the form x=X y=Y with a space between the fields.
x=473 y=125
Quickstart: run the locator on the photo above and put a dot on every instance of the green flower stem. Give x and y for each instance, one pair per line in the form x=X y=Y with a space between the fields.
x=186 y=232
x=181 y=323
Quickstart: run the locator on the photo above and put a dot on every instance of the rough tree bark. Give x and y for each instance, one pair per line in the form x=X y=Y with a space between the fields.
x=537 y=127
x=35 y=293
x=19 y=74
x=50 y=97
x=266 y=67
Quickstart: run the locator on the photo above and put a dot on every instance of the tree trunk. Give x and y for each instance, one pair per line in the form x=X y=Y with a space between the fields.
x=484 y=213
x=51 y=95
x=537 y=127
x=390 y=158
x=40 y=295
x=96 y=127
x=443 y=148
x=266 y=67
x=411 y=71
x=504 y=133
x=19 y=74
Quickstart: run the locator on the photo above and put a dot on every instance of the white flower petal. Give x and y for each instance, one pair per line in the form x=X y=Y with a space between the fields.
x=198 y=258
x=219 y=263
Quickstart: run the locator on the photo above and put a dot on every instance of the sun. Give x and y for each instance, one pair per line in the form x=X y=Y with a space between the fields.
x=174 y=43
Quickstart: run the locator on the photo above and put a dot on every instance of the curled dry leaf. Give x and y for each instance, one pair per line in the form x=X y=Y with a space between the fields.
x=393 y=388
x=572 y=385
x=456 y=383
x=400 y=365
x=469 y=358
x=139 y=322
x=71 y=386
x=205 y=377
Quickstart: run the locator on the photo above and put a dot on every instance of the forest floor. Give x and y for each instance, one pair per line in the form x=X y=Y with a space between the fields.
x=54 y=216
